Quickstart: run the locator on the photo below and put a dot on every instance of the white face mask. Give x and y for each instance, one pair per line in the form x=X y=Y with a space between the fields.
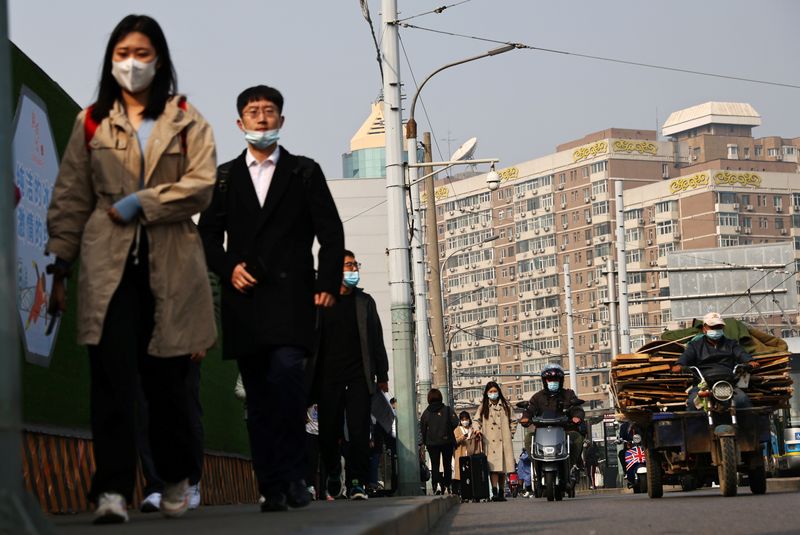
x=133 y=75
x=466 y=423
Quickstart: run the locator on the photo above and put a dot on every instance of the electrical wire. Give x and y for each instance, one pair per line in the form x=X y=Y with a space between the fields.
x=368 y=18
x=606 y=59
x=438 y=11
x=364 y=211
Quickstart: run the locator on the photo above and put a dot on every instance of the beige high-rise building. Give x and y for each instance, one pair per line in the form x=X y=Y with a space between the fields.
x=710 y=184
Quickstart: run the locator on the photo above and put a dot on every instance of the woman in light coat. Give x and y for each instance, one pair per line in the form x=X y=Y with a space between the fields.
x=468 y=442
x=139 y=163
x=493 y=423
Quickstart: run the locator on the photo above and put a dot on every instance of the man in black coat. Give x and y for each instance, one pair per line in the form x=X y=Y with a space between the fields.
x=270 y=205
x=349 y=367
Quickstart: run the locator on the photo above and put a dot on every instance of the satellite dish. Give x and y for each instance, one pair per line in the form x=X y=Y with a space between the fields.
x=465 y=151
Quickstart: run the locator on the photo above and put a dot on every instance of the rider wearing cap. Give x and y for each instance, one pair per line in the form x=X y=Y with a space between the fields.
x=554 y=399
x=715 y=356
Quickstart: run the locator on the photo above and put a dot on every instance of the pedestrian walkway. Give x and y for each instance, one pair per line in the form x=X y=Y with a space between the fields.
x=408 y=515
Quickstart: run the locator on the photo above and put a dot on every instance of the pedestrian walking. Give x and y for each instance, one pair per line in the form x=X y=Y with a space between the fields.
x=349 y=367
x=591 y=457
x=467 y=442
x=271 y=205
x=524 y=473
x=493 y=422
x=139 y=163
x=437 y=424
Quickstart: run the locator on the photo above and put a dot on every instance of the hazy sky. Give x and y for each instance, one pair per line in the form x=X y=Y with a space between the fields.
x=520 y=105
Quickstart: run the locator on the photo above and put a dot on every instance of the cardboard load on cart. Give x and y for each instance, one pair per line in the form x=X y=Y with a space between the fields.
x=642 y=381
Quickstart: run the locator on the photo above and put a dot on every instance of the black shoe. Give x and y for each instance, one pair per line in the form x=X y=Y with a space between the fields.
x=274 y=503
x=297 y=494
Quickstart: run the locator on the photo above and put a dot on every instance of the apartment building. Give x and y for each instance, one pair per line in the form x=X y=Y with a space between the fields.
x=710 y=184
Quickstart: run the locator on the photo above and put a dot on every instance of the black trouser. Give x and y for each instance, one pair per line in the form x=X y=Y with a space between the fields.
x=152 y=481
x=276 y=415
x=445 y=453
x=353 y=399
x=117 y=365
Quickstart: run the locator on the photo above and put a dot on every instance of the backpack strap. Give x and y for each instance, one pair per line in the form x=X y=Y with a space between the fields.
x=89 y=127
x=182 y=105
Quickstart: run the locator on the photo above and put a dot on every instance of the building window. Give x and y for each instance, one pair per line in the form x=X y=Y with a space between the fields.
x=728 y=219
x=762 y=222
x=664 y=206
x=758 y=150
x=747 y=222
x=762 y=200
x=665 y=170
x=778 y=223
x=665 y=227
x=747 y=153
x=777 y=201
x=772 y=152
x=733 y=152
x=788 y=151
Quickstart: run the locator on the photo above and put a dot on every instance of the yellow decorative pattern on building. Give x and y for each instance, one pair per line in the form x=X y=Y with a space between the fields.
x=601 y=147
x=642 y=147
x=690 y=182
x=511 y=173
x=747 y=180
x=438 y=194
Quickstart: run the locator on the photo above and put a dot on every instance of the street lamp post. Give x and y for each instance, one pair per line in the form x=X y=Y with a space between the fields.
x=432 y=243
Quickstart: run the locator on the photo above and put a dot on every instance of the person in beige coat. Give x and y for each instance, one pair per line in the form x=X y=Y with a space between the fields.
x=493 y=423
x=468 y=442
x=139 y=163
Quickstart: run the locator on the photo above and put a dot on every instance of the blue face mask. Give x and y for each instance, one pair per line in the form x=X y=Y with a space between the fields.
x=262 y=140
x=552 y=386
x=714 y=334
x=351 y=278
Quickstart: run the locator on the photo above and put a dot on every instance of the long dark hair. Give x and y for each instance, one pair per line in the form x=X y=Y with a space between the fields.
x=501 y=400
x=165 y=82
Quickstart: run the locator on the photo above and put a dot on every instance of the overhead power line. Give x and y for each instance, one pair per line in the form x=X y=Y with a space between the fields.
x=438 y=11
x=603 y=58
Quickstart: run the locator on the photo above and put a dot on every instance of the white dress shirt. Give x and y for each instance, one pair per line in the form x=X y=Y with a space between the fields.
x=261 y=173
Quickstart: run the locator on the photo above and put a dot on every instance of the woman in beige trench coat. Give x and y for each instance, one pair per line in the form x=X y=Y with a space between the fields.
x=493 y=422
x=139 y=163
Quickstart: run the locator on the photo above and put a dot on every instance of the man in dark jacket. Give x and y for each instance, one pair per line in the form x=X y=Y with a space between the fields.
x=270 y=205
x=554 y=400
x=350 y=365
x=715 y=356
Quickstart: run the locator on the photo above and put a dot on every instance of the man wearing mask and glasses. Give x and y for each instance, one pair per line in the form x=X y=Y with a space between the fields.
x=271 y=205
x=715 y=356
x=349 y=367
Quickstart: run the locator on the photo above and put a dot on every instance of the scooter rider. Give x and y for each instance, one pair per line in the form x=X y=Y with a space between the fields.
x=716 y=356
x=553 y=398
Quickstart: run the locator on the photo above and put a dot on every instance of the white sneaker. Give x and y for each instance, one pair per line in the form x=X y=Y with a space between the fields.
x=111 y=509
x=151 y=503
x=313 y=492
x=193 y=492
x=174 y=500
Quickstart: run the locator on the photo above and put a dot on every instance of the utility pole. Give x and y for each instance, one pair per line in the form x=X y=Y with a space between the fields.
x=18 y=512
x=573 y=372
x=613 y=334
x=622 y=268
x=418 y=261
x=435 y=291
x=399 y=271
x=435 y=280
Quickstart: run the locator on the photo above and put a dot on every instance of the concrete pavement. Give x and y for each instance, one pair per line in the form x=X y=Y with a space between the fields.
x=677 y=513
x=378 y=516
